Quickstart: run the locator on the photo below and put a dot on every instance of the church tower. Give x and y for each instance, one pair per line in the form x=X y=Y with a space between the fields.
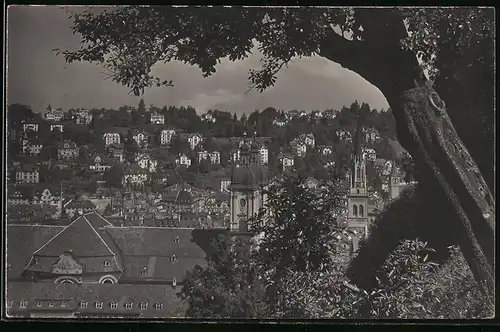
x=357 y=199
x=394 y=182
x=249 y=180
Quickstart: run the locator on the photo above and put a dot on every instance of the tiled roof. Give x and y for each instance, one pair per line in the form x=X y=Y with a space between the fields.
x=81 y=238
x=155 y=241
x=172 y=304
x=22 y=241
x=28 y=167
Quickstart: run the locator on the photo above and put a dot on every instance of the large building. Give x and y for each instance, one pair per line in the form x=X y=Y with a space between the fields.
x=91 y=268
x=249 y=180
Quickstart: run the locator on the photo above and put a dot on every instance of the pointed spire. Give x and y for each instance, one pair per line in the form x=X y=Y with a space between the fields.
x=357 y=138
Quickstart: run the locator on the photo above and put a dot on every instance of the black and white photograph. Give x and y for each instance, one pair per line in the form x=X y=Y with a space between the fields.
x=251 y=163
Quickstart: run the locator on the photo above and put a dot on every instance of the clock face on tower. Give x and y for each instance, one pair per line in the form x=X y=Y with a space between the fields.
x=395 y=181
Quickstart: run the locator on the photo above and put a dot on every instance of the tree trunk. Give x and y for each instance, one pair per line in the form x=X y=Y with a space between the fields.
x=424 y=129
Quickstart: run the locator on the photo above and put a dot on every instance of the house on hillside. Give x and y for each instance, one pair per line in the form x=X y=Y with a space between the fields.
x=31 y=124
x=279 y=123
x=58 y=126
x=52 y=114
x=83 y=117
x=166 y=136
x=370 y=154
x=20 y=195
x=31 y=146
x=299 y=147
x=116 y=151
x=145 y=161
x=264 y=155
x=111 y=137
x=330 y=114
x=202 y=155
x=141 y=137
x=194 y=140
x=214 y=157
x=27 y=173
x=286 y=160
x=134 y=174
x=157 y=118
x=208 y=117
x=325 y=150
x=67 y=150
x=183 y=160
x=344 y=135
x=371 y=135
x=101 y=163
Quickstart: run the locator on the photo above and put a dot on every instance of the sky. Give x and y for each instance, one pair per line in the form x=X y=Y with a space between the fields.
x=37 y=77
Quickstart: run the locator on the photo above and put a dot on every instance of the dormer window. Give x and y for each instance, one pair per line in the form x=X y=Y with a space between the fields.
x=84 y=304
x=9 y=304
x=38 y=304
x=174 y=282
x=128 y=305
x=107 y=263
x=144 y=305
x=98 y=305
x=63 y=304
x=158 y=306
x=23 y=304
x=144 y=271
x=51 y=304
x=173 y=259
x=113 y=305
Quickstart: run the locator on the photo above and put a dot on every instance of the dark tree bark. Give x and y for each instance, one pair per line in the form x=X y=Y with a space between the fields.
x=424 y=129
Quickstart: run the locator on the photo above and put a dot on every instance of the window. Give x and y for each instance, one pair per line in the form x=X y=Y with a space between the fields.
x=107 y=263
x=9 y=304
x=174 y=282
x=158 y=306
x=176 y=239
x=51 y=304
x=144 y=271
x=98 y=305
x=23 y=304
x=63 y=304
x=173 y=259
x=113 y=305
x=128 y=305
x=84 y=304
x=361 y=211
x=354 y=210
x=38 y=304
x=144 y=305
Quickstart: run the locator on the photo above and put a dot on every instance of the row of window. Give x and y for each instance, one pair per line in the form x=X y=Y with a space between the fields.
x=84 y=304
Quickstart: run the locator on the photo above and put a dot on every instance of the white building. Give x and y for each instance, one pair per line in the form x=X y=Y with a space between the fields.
x=308 y=139
x=141 y=138
x=325 y=150
x=83 y=117
x=146 y=162
x=279 y=123
x=135 y=175
x=157 y=118
x=194 y=140
x=183 y=160
x=300 y=148
x=214 y=157
x=202 y=155
x=166 y=136
x=111 y=138
x=287 y=161
x=54 y=114
x=370 y=154
x=58 y=126
x=264 y=155
x=30 y=126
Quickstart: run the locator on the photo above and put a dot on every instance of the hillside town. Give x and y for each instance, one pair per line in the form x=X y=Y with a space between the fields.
x=136 y=195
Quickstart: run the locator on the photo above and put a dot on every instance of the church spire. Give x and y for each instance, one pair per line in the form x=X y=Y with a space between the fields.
x=357 y=137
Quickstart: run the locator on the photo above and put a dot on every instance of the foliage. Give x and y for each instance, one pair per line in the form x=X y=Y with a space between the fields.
x=113 y=176
x=228 y=287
